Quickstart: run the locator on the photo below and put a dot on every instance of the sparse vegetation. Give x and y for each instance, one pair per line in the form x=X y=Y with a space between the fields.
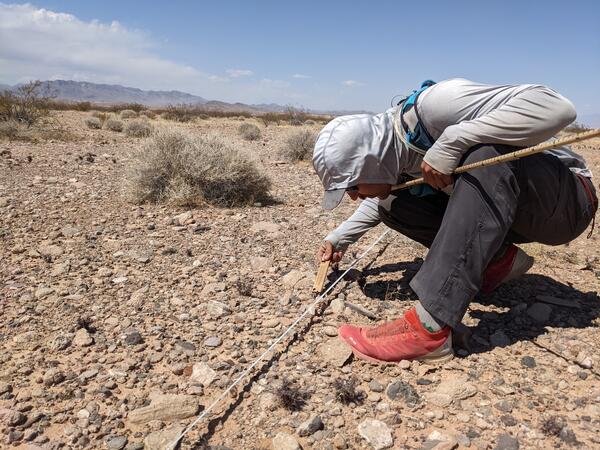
x=346 y=392
x=268 y=118
x=290 y=396
x=296 y=116
x=577 y=127
x=27 y=106
x=113 y=124
x=138 y=128
x=128 y=114
x=188 y=170
x=249 y=131
x=148 y=113
x=179 y=113
x=299 y=146
x=93 y=123
x=9 y=129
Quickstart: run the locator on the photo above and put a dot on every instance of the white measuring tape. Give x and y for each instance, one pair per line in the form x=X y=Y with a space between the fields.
x=277 y=341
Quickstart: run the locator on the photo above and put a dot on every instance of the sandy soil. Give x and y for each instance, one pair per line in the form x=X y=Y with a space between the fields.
x=119 y=323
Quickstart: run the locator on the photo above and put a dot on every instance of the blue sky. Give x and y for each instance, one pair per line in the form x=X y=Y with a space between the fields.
x=325 y=55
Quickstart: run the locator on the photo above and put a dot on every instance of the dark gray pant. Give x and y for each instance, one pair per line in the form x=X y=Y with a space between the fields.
x=534 y=199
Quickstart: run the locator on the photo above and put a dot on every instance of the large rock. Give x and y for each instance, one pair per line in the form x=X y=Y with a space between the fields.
x=335 y=351
x=451 y=390
x=167 y=408
x=82 y=338
x=376 y=433
x=284 y=441
x=160 y=440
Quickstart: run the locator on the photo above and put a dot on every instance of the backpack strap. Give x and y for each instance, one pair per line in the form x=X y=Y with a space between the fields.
x=418 y=138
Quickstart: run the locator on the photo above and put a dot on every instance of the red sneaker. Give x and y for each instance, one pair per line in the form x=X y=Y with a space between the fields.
x=513 y=264
x=404 y=338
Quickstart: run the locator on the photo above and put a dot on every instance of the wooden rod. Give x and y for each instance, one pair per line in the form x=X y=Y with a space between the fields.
x=321 y=276
x=512 y=156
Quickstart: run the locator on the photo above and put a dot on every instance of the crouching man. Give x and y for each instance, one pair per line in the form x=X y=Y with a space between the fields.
x=471 y=231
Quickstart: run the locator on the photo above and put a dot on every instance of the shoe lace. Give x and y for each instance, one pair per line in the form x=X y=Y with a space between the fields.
x=395 y=327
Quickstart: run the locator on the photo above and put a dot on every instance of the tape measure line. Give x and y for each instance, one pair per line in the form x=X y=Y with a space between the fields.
x=308 y=310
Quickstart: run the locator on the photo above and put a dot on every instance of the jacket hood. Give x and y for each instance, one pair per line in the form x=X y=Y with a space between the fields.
x=358 y=148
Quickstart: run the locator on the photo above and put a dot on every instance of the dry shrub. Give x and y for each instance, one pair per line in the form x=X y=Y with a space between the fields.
x=346 y=391
x=93 y=123
x=310 y=122
x=138 y=128
x=299 y=146
x=27 y=105
x=179 y=113
x=191 y=170
x=249 y=131
x=9 y=129
x=113 y=124
x=268 y=118
x=290 y=396
x=128 y=114
x=148 y=113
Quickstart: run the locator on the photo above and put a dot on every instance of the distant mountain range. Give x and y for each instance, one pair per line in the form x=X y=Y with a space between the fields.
x=107 y=94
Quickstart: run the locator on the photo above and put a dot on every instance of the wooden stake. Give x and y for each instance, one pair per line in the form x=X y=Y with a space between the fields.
x=321 y=276
x=512 y=156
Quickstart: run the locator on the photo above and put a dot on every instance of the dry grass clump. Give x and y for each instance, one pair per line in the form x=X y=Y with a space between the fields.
x=299 y=146
x=148 y=113
x=9 y=129
x=138 y=128
x=93 y=123
x=346 y=391
x=249 y=131
x=290 y=396
x=128 y=114
x=113 y=124
x=190 y=170
x=179 y=113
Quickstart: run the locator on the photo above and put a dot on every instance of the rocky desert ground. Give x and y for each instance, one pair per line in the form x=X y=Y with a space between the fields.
x=120 y=323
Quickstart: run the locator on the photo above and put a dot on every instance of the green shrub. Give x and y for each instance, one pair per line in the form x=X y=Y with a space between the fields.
x=189 y=170
x=299 y=145
x=249 y=131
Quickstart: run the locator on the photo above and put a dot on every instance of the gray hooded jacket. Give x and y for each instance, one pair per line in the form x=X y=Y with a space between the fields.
x=458 y=114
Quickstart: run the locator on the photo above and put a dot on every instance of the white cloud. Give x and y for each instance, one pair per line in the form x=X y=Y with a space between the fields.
x=352 y=83
x=235 y=73
x=41 y=44
x=300 y=76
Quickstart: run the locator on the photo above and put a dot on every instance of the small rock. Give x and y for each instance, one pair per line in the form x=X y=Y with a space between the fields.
x=167 y=408
x=508 y=420
x=440 y=440
x=292 y=278
x=334 y=351
x=202 y=374
x=584 y=360
x=213 y=341
x=53 y=376
x=504 y=406
x=15 y=418
x=376 y=386
x=404 y=390
x=539 y=312
x=337 y=305
x=5 y=387
x=452 y=390
x=268 y=227
x=160 y=440
x=404 y=364
x=131 y=336
x=117 y=442
x=183 y=218
x=217 y=309
x=528 y=361
x=259 y=263
x=310 y=426
x=271 y=323
x=376 y=433
x=506 y=442
x=43 y=292
x=499 y=339
x=284 y=441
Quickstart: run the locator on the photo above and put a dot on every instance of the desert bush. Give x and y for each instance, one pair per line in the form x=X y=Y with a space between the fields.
x=268 y=118
x=113 y=124
x=128 y=114
x=577 y=127
x=249 y=131
x=27 y=105
x=9 y=129
x=93 y=123
x=310 y=122
x=148 y=113
x=191 y=170
x=295 y=116
x=179 y=113
x=138 y=128
x=299 y=145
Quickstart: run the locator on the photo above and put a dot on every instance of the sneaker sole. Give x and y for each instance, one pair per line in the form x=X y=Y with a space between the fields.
x=523 y=262
x=439 y=356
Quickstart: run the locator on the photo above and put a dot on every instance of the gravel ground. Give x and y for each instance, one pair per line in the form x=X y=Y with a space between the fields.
x=120 y=323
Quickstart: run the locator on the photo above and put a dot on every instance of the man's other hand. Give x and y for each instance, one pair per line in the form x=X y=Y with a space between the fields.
x=326 y=252
x=435 y=179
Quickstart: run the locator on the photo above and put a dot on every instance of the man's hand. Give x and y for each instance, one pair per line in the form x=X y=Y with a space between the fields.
x=326 y=252
x=434 y=178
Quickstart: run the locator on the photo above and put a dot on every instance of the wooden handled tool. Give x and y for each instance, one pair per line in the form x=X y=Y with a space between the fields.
x=512 y=156
x=321 y=276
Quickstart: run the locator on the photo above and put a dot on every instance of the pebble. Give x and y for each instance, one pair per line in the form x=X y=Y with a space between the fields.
x=116 y=443
x=202 y=374
x=377 y=434
x=310 y=426
x=405 y=391
x=131 y=336
x=451 y=390
x=506 y=442
x=160 y=440
x=166 y=408
x=53 y=376
x=284 y=441
x=376 y=386
x=528 y=361
x=334 y=351
x=213 y=341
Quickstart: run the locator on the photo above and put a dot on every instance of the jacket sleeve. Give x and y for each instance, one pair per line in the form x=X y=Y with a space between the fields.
x=351 y=230
x=529 y=118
